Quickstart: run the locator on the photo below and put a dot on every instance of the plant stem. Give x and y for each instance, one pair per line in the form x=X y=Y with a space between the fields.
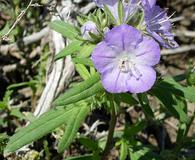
x=110 y=132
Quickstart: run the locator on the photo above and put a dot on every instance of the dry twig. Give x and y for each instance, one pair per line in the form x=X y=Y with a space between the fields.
x=4 y=49
x=22 y=13
x=182 y=49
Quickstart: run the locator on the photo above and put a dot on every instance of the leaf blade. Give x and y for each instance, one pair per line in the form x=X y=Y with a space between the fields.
x=38 y=128
x=82 y=91
x=72 y=126
x=73 y=47
x=66 y=29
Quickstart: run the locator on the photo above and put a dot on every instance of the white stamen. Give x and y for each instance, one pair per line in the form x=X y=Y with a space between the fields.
x=127 y=66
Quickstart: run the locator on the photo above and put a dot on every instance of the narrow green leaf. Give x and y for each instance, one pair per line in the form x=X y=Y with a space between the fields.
x=66 y=29
x=72 y=126
x=123 y=150
x=143 y=99
x=83 y=95
x=3 y=141
x=40 y=127
x=5 y=29
x=81 y=91
x=174 y=104
x=179 y=78
x=83 y=72
x=169 y=84
x=109 y=14
x=23 y=84
x=84 y=61
x=120 y=12
x=184 y=129
x=89 y=144
x=85 y=157
x=173 y=96
x=126 y=98
x=86 y=50
x=134 y=129
x=142 y=153
x=3 y=105
x=16 y=112
x=73 y=47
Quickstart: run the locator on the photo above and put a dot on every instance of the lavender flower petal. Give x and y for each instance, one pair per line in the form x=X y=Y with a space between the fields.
x=103 y=57
x=125 y=62
x=122 y=38
x=158 y=24
x=114 y=80
x=145 y=82
x=149 y=3
x=146 y=52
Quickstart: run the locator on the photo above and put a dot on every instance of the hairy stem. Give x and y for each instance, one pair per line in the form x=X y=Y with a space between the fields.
x=109 y=142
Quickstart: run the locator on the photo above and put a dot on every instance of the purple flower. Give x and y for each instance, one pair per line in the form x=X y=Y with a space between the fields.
x=125 y=60
x=158 y=24
x=87 y=27
x=129 y=7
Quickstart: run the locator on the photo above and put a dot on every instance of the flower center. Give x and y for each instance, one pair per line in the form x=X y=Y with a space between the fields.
x=126 y=65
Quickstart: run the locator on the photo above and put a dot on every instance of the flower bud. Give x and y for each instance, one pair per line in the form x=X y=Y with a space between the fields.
x=89 y=27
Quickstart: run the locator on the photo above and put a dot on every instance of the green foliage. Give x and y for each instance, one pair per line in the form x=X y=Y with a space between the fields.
x=85 y=157
x=126 y=98
x=191 y=74
x=142 y=153
x=83 y=71
x=3 y=141
x=84 y=61
x=173 y=95
x=86 y=50
x=66 y=29
x=168 y=83
x=120 y=12
x=72 y=125
x=143 y=100
x=109 y=15
x=5 y=103
x=44 y=125
x=82 y=91
x=73 y=47
x=123 y=150
x=90 y=144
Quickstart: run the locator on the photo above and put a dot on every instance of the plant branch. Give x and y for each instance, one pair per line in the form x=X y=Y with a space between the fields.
x=182 y=49
x=22 y=13
x=4 y=49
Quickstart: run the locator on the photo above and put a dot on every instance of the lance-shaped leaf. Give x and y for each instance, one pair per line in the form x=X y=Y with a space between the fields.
x=84 y=157
x=123 y=150
x=86 y=50
x=73 y=47
x=143 y=99
x=84 y=61
x=120 y=12
x=66 y=29
x=173 y=87
x=72 y=126
x=42 y=126
x=173 y=96
x=83 y=71
x=109 y=14
x=81 y=91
